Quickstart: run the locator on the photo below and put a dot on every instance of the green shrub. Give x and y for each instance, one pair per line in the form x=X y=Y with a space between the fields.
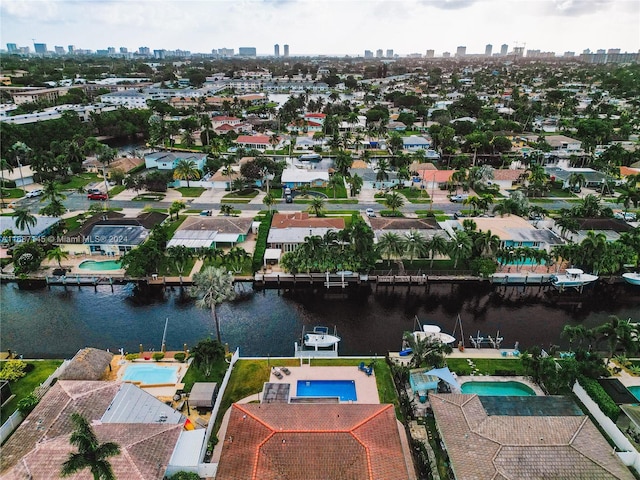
x=185 y=476
x=27 y=404
x=180 y=356
x=157 y=356
x=132 y=356
x=7 y=184
x=261 y=242
x=13 y=370
x=601 y=397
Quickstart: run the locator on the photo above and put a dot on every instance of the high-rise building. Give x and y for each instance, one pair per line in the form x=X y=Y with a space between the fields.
x=159 y=54
x=368 y=54
x=379 y=53
x=569 y=54
x=40 y=48
x=12 y=48
x=71 y=48
x=390 y=53
x=487 y=50
x=111 y=50
x=518 y=51
x=247 y=51
x=59 y=49
x=276 y=50
x=144 y=51
x=461 y=51
x=431 y=53
x=613 y=51
x=446 y=55
x=223 y=52
x=504 y=49
x=286 y=50
x=124 y=50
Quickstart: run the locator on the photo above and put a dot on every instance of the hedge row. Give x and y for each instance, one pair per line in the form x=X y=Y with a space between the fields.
x=600 y=396
x=261 y=242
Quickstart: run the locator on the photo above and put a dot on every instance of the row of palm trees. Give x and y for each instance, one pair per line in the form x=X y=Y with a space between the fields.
x=616 y=333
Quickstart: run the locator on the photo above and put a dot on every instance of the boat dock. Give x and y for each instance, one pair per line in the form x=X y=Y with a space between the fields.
x=521 y=278
x=345 y=280
x=304 y=349
x=83 y=280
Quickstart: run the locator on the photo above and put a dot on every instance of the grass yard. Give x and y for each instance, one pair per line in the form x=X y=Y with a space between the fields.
x=80 y=180
x=242 y=194
x=236 y=200
x=149 y=197
x=557 y=192
x=487 y=366
x=170 y=269
x=191 y=192
x=173 y=226
x=74 y=223
x=12 y=193
x=23 y=387
x=340 y=192
x=350 y=201
x=116 y=190
x=194 y=374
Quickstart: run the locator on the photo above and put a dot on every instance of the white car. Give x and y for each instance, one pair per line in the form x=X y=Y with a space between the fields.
x=369 y=212
x=626 y=216
x=34 y=193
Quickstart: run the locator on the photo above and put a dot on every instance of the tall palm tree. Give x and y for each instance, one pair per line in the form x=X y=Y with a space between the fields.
x=355 y=183
x=334 y=182
x=576 y=180
x=58 y=255
x=24 y=219
x=617 y=333
x=212 y=286
x=487 y=243
x=437 y=245
x=393 y=201
x=391 y=245
x=269 y=200
x=317 y=206
x=179 y=255
x=91 y=454
x=415 y=245
x=594 y=248
x=186 y=170
x=460 y=248
x=382 y=173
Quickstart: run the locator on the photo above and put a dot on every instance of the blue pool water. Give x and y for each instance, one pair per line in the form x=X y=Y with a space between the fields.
x=499 y=389
x=635 y=391
x=345 y=389
x=527 y=261
x=106 y=265
x=151 y=374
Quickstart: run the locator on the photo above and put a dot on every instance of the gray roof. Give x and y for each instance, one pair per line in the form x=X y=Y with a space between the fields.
x=295 y=235
x=43 y=223
x=530 y=235
x=116 y=235
x=173 y=156
x=202 y=394
x=369 y=175
x=133 y=405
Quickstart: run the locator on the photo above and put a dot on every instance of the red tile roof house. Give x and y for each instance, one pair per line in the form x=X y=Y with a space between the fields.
x=288 y=230
x=258 y=142
x=40 y=445
x=321 y=441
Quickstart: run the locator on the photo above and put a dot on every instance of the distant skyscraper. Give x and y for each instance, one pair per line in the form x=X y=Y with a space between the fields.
x=368 y=54
x=159 y=54
x=379 y=53
x=111 y=50
x=144 y=51
x=59 y=49
x=446 y=55
x=276 y=50
x=286 y=50
x=613 y=51
x=487 y=50
x=431 y=53
x=461 y=51
x=518 y=51
x=390 y=53
x=224 y=52
x=504 y=49
x=40 y=48
x=71 y=48
x=12 y=48
x=248 y=51
x=124 y=50
x=569 y=54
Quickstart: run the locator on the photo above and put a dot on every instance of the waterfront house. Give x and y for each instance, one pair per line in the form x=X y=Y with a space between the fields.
x=44 y=226
x=612 y=228
x=528 y=438
x=288 y=230
x=169 y=160
x=415 y=142
x=298 y=177
x=281 y=440
x=427 y=227
x=211 y=232
x=124 y=164
x=257 y=142
x=147 y=430
x=592 y=178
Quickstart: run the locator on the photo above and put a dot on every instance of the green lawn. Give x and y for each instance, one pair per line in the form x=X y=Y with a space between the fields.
x=149 y=197
x=74 y=223
x=350 y=201
x=413 y=193
x=170 y=269
x=23 y=387
x=236 y=200
x=246 y=193
x=173 y=226
x=486 y=366
x=116 y=190
x=80 y=180
x=191 y=192
x=560 y=193
x=194 y=374
x=341 y=191
x=12 y=193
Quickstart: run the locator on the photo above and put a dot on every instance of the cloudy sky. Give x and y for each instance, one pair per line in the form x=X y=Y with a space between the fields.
x=324 y=26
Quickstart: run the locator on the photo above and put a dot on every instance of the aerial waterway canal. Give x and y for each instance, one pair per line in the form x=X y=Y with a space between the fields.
x=56 y=322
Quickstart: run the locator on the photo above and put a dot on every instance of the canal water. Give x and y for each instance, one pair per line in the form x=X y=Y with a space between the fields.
x=56 y=322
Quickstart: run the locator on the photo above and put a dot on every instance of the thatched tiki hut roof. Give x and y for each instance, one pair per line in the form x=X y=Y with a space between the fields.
x=87 y=364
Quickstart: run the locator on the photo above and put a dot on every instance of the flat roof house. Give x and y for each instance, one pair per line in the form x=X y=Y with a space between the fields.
x=297 y=177
x=169 y=160
x=211 y=232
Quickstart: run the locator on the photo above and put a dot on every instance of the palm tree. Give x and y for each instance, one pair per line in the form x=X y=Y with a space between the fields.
x=334 y=182
x=4 y=165
x=58 y=255
x=317 y=206
x=594 y=248
x=576 y=179
x=391 y=245
x=186 y=170
x=460 y=248
x=393 y=201
x=437 y=245
x=212 y=286
x=355 y=183
x=175 y=208
x=415 y=245
x=617 y=333
x=24 y=219
x=91 y=454
x=269 y=200
x=226 y=209
x=382 y=173
x=180 y=255
x=487 y=243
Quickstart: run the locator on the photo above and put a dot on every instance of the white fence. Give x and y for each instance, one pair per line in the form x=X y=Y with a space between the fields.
x=216 y=407
x=629 y=455
x=16 y=417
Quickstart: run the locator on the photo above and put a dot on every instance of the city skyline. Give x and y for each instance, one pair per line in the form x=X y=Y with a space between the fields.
x=343 y=28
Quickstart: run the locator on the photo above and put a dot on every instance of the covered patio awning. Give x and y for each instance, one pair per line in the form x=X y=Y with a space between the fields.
x=189 y=243
x=446 y=375
x=272 y=254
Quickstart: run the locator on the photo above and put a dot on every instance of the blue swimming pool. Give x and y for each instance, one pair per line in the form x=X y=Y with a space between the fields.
x=344 y=389
x=635 y=391
x=100 y=266
x=150 y=374
x=498 y=389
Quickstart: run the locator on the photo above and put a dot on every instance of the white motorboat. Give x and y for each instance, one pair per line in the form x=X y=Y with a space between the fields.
x=572 y=278
x=631 y=278
x=433 y=332
x=320 y=338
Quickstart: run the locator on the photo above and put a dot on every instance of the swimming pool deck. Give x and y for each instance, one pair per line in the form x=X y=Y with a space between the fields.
x=490 y=378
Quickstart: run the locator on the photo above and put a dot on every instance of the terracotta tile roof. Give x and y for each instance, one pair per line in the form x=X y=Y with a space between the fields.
x=625 y=171
x=253 y=139
x=507 y=174
x=303 y=220
x=483 y=446
x=440 y=176
x=284 y=441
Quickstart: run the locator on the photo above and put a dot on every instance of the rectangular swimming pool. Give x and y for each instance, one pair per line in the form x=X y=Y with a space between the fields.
x=635 y=391
x=344 y=389
x=150 y=374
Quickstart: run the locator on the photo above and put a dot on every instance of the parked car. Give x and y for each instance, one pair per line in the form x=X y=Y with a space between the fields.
x=98 y=196
x=288 y=199
x=34 y=193
x=205 y=213
x=93 y=190
x=458 y=198
x=626 y=216
x=370 y=212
